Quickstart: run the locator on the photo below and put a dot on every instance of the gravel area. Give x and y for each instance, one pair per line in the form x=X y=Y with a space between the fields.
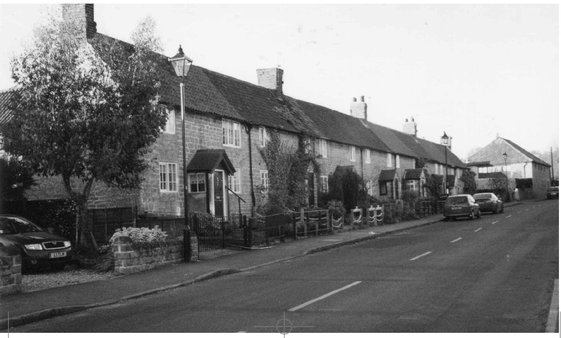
x=52 y=279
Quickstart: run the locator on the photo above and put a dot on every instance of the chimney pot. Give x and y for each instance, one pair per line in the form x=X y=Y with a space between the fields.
x=359 y=109
x=271 y=78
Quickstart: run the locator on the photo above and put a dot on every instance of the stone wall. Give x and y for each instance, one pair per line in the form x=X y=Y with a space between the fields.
x=10 y=272
x=130 y=259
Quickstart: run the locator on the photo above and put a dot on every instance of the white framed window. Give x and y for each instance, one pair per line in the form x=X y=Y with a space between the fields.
x=367 y=155
x=196 y=182
x=231 y=134
x=264 y=175
x=397 y=161
x=436 y=168
x=307 y=146
x=353 y=155
x=234 y=182
x=170 y=122
x=322 y=147
x=263 y=136
x=324 y=183
x=389 y=160
x=168 y=177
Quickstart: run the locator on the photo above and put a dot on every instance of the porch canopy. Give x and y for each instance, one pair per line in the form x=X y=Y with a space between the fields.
x=387 y=175
x=208 y=160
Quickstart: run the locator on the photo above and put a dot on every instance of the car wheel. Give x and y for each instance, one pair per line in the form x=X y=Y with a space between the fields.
x=472 y=215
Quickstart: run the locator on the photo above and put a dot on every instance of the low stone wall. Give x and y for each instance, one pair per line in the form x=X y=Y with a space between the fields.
x=10 y=272
x=130 y=259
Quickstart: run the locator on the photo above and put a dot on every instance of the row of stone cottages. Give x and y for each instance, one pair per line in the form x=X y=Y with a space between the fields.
x=229 y=120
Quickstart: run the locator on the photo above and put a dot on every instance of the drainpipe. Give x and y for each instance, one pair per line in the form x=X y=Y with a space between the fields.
x=248 y=130
x=525 y=164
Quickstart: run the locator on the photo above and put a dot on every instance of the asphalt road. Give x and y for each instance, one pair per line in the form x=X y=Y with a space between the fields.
x=495 y=274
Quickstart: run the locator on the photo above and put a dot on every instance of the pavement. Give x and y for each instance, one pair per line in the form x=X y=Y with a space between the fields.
x=24 y=308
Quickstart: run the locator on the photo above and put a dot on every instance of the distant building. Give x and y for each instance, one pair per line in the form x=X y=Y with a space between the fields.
x=524 y=171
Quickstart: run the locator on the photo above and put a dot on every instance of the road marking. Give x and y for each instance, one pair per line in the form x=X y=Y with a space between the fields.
x=509 y=216
x=495 y=222
x=553 y=309
x=456 y=240
x=478 y=229
x=422 y=255
x=296 y=308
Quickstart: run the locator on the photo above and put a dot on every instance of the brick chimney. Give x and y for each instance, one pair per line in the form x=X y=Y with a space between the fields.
x=359 y=109
x=410 y=127
x=83 y=15
x=271 y=78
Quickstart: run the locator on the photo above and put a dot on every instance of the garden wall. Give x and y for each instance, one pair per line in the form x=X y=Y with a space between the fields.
x=10 y=272
x=130 y=259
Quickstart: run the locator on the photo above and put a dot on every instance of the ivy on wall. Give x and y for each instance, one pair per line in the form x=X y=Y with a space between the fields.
x=287 y=169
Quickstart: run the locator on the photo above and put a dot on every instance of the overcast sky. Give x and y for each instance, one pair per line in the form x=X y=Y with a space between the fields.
x=473 y=71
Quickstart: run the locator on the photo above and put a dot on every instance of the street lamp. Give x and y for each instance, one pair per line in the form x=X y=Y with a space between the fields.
x=445 y=140
x=181 y=65
x=505 y=156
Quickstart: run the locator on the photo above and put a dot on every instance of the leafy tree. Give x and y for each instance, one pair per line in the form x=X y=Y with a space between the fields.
x=468 y=177
x=15 y=178
x=86 y=114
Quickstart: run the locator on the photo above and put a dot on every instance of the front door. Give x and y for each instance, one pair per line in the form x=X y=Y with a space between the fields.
x=218 y=193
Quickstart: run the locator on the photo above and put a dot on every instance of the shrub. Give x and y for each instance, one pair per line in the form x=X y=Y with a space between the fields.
x=143 y=237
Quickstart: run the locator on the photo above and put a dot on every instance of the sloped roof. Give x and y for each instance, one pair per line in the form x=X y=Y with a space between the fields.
x=208 y=160
x=342 y=128
x=387 y=175
x=527 y=153
x=493 y=152
x=392 y=141
x=414 y=174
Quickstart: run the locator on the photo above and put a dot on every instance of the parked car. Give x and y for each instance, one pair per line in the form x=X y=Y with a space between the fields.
x=552 y=192
x=461 y=206
x=489 y=202
x=37 y=246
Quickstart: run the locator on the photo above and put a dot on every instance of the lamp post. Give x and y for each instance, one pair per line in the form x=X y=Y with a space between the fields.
x=181 y=64
x=445 y=140
x=505 y=156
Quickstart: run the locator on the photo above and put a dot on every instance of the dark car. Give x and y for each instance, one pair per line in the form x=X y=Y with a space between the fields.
x=489 y=202
x=37 y=247
x=461 y=206
x=552 y=192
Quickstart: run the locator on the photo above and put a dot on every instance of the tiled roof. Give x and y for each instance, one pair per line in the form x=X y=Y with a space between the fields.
x=414 y=174
x=527 y=153
x=387 y=175
x=392 y=140
x=209 y=92
x=342 y=128
x=479 y=164
x=207 y=160
x=493 y=152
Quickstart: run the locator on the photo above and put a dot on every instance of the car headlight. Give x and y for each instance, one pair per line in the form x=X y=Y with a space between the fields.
x=67 y=244
x=34 y=246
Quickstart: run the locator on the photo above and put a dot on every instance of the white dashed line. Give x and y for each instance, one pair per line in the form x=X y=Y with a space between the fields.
x=422 y=255
x=478 y=229
x=296 y=308
x=495 y=222
x=509 y=216
x=456 y=240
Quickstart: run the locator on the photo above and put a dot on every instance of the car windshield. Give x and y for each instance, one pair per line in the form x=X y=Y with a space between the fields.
x=482 y=196
x=15 y=225
x=454 y=200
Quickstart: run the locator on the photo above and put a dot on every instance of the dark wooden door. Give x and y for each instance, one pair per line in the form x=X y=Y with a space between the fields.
x=218 y=194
